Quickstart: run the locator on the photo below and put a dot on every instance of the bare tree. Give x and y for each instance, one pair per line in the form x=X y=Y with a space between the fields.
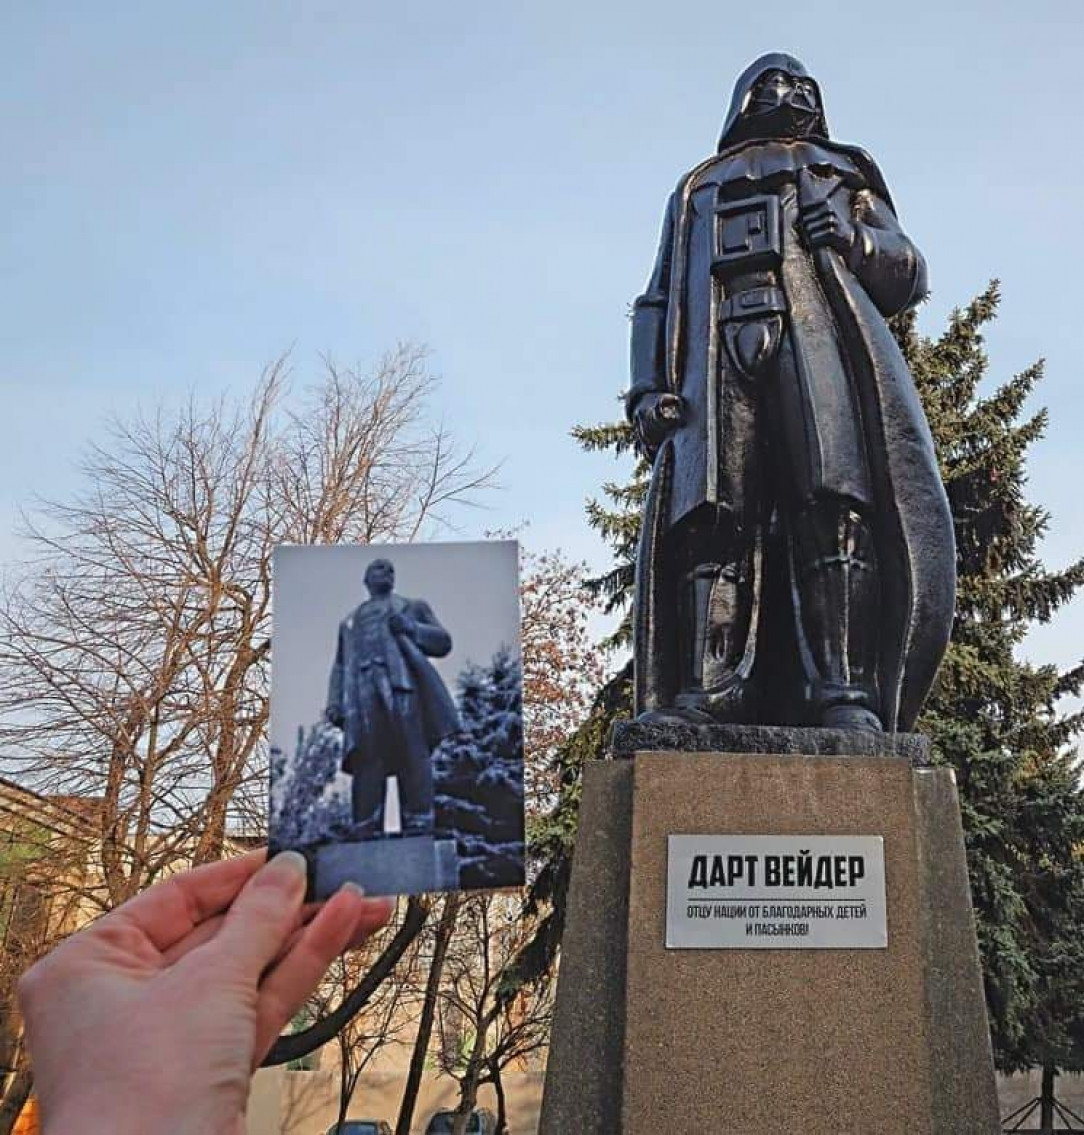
x=441 y=938
x=484 y=1030
x=134 y=640
x=388 y=1018
x=521 y=1031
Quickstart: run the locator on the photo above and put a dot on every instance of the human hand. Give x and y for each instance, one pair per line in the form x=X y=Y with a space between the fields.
x=154 y=1017
x=824 y=226
x=655 y=416
x=403 y=625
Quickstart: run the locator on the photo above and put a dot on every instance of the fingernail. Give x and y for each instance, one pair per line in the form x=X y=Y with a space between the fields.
x=287 y=871
x=352 y=888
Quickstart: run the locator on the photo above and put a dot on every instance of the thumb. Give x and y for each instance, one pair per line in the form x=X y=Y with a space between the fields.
x=263 y=915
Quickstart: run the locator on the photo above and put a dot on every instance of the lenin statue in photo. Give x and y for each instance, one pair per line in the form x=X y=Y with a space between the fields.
x=796 y=564
x=390 y=703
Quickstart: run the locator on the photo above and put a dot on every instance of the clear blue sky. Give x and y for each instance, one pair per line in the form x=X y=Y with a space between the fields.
x=190 y=189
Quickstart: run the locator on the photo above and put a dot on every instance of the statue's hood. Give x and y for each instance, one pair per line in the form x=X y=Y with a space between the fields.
x=736 y=126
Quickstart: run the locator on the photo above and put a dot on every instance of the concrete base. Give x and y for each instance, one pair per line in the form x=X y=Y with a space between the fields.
x=396 y=866
x=747 y=1041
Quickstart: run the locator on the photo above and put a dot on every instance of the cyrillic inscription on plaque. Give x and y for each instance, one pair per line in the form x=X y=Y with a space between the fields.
x=776 y=892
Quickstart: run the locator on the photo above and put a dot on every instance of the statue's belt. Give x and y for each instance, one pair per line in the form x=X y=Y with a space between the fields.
x=753 y=303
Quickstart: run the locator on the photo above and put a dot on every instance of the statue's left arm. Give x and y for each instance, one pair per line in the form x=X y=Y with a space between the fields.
x=882 y=256
x=430 y=637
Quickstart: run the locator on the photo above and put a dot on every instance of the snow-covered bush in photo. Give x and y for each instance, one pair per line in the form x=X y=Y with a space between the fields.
x=479 y=775
x=310 y=800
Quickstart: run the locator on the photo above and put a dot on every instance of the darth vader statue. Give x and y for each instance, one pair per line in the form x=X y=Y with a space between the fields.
x=796 y=563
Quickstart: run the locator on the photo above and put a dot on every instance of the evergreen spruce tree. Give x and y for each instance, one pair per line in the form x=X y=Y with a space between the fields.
x=616 y=518
x=305 y=808
x=478 y=775
x=994 y=717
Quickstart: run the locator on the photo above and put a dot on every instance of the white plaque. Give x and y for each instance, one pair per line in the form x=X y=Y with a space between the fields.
x=814 y=892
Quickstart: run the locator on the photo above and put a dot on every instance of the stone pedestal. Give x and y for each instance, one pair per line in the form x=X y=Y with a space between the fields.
x=748 y=1041
x=398 y=865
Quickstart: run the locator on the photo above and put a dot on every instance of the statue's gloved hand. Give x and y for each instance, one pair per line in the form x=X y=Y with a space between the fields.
x=403 y=625
x=654 y=417
x=824 y=225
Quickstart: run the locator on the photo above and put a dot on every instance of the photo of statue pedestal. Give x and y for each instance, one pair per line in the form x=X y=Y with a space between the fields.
x=769 y=925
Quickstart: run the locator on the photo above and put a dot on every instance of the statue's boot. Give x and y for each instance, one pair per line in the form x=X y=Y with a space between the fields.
x=716 y=608
x=418 y=823
x=371 y=828
x=835 y=567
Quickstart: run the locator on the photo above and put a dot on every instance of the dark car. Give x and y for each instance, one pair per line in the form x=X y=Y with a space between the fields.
x=480 y=1122
x=360 y=1127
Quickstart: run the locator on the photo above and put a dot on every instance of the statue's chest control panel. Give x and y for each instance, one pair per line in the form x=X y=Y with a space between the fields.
x=747 y=235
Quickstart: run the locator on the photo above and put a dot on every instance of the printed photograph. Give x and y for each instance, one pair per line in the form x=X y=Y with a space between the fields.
x=397 y=715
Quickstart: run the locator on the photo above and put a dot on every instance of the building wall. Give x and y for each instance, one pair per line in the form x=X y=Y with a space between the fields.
x=306 y=1103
